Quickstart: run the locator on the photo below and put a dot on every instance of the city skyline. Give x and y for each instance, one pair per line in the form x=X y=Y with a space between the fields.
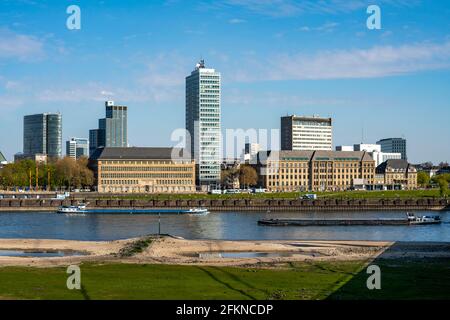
x=385 y=83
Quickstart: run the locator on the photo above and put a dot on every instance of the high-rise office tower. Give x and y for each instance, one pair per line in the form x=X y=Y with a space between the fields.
x=42 y=134
x=394 y=145
x=112 y=130
x=115 y=125
x=203 y=122
x=77 y=147
x=306 y=133
x=95 y=140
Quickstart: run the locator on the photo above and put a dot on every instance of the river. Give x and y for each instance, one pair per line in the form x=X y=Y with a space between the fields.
x=216 y=225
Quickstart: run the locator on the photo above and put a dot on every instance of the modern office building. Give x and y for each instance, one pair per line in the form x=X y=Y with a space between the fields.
x=306 y=133
x=152 y=170
x=345 y=148
x=112 y=130
x=203 y=114
x=315 y=170
x=394 y=145
x=37 y=157
x=375 y=152
x=42 y=134
x=96 y=140
x=250 y=152
x=381 y=157
x=77 y=147
x=367 y=147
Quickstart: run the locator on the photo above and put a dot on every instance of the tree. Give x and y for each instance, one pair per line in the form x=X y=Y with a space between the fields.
x=64 y=172
x=423 y=178
x=248 y=176
x=228 y=177
x=86 y=174
x=443 y=164
x=443 y=187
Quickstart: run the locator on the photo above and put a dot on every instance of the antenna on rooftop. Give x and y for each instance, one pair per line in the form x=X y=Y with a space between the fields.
x=362 y=135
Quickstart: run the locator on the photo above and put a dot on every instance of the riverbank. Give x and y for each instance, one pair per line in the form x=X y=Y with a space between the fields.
x=171 y=268
x=171 y=250
x=256 y=204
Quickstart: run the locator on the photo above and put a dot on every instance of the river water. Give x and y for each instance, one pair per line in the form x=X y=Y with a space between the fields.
x=216 y=225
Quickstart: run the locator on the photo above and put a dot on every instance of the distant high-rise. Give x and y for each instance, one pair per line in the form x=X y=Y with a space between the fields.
x=203 y=122
x=42 y=134
x=77 y=147
x=112 y=130
x=394 y=145
x=250 y=151
x=2 y=159
x=96 y=140
x=306 y=133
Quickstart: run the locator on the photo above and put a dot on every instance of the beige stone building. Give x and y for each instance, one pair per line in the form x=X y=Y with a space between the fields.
x=284 y=171
x=396 y=174
x=152 y=170
x=338 y=170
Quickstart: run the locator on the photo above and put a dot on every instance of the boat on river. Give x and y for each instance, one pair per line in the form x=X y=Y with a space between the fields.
x=410 y=219
x=414 y=220
x=81 y=208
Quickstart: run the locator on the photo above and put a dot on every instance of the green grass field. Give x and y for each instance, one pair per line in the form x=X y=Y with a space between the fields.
x=306 y=280
x=433 y=193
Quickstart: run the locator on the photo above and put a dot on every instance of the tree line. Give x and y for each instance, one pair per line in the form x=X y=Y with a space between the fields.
x=55 y=174
x=246 y=175
x=441 y=180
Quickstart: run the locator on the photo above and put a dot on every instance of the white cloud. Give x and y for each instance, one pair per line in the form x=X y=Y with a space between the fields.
x=326 y=27
x=22 y=47
x=282 y=8
x=236 y=21
x=249 y=98
x=379 y=61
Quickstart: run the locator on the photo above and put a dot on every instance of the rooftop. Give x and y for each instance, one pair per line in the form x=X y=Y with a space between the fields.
x=308 y=118
x=396 y=164
x=315 y=155
x=135 y=153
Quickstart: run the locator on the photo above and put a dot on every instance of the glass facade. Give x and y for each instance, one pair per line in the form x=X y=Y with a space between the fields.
x=54 y=135
x=112 y=130
x=203 y=122
x=394 y=145
x=42 y=134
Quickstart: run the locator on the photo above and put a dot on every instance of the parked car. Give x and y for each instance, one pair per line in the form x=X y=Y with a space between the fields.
x=311 y=196
x=215 y=191
x=232 y=191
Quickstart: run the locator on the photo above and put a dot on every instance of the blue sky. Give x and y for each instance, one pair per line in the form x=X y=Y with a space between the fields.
x=276 y=57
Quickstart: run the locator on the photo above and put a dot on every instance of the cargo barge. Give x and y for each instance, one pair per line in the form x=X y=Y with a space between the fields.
x=410 y=219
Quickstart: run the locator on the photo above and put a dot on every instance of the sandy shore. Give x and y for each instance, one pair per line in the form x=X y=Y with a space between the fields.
x=169 y=250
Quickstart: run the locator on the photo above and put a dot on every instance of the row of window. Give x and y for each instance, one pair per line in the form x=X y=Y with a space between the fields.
x=122 y=162
x=158 y=169
x=147 y=175
x=136 y=182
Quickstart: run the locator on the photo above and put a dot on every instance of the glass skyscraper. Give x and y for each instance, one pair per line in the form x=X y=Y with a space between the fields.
x=112 y=130
x=394 y=145
x=42 y=134
x=203 y=122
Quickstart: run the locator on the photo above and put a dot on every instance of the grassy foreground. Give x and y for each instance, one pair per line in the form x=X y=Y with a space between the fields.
x=306 y=280
x=433 y=193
